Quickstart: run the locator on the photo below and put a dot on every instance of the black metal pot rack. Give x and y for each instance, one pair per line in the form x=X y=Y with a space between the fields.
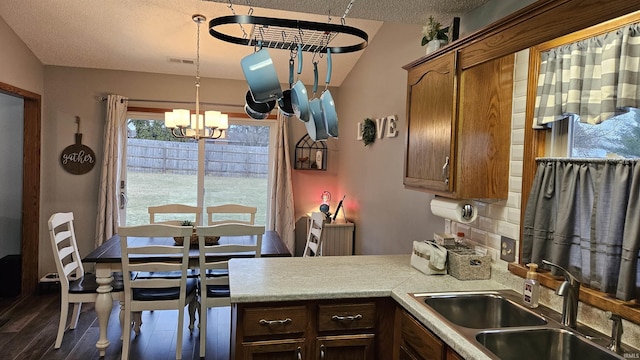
x=286 y=34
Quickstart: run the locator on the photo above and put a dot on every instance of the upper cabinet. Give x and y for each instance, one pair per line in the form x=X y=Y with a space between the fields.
x=459 y=127
x=459 y=98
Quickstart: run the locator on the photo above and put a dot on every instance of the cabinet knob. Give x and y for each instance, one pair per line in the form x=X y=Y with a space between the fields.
x=299 y=353
x=322 y=352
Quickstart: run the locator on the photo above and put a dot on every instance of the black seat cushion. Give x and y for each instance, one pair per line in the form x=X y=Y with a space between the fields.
x=192 y=273
x=217 y=272
x=152 y=294
x=87 y=284
x=218 y=291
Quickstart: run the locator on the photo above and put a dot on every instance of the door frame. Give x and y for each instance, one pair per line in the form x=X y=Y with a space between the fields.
x=30 y=185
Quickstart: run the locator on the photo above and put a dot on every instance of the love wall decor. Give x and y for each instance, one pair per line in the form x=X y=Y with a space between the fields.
x=370 y=129
x=77 y=159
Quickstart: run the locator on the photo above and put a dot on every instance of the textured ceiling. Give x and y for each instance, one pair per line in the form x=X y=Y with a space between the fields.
x=142 y=35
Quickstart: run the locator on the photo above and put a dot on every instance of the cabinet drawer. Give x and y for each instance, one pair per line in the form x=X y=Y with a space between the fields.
x=346 y=316
x=273 y=321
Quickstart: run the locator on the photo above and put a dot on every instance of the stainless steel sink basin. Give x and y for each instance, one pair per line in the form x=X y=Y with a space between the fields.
x=481 y=310
x=542 y=343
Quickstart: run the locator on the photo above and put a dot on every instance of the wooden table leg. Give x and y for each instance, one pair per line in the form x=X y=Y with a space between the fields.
x=104 y=304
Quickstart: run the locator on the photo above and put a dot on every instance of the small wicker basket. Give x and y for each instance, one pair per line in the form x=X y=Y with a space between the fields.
x=208 y=240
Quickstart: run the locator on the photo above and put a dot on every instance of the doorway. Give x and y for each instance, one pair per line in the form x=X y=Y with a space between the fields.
x=29 y=222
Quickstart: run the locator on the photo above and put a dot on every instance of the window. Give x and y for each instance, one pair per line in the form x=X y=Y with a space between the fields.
x=161 y=169
x=616 y=137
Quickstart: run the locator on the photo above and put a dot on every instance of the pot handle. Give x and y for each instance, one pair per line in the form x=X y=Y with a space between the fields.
x=315 y=77
x=290 y=72
x=299 y=59
x=328 y=67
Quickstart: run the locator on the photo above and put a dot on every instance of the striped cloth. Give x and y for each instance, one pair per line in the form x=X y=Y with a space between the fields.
x=596 y=78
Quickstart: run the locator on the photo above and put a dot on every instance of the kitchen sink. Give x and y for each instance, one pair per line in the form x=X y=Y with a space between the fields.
x=481 y=310
x=503 y=328
x=536 y=344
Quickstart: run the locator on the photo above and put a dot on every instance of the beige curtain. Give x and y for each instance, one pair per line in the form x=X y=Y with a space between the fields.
x=282 y=217
x=115 y=134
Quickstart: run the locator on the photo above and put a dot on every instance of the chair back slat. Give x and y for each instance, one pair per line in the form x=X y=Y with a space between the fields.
x=67 y=257
x=174 y=209
x=242 y=214
x=314 y=237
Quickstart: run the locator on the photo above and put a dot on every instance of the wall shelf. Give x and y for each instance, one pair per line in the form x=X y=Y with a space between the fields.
x=310 y=155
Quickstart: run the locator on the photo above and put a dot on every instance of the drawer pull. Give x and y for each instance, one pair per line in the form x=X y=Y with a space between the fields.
x=299 y=353
x=275 y=322
x=322 y=352
x=346 y=318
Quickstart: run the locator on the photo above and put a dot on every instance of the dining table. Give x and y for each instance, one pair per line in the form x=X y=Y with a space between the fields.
x=108 y=259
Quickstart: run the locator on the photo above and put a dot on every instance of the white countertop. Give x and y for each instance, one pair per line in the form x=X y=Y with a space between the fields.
x=337 y=277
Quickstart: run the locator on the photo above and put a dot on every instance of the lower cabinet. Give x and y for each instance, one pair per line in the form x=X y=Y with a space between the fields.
x=354 y=329
x=413 y=341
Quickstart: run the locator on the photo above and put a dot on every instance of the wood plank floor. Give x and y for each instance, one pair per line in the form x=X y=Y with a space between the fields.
x=28 y=329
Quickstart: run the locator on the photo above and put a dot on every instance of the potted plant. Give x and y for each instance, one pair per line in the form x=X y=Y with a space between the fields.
x=193 y=241
x=433 y=35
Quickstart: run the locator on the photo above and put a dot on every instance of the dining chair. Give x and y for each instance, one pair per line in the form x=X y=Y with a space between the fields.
x=242 y=214
x=313 y=247
x=76 y=286
x=174 y=209
x=156 y=293
x=214 y=275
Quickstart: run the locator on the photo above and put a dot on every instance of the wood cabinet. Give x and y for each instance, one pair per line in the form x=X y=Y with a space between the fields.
x=327 y=329
x=459 y=127
x=415 y=342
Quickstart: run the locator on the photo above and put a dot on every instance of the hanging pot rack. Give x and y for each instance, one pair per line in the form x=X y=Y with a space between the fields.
x=286 y=34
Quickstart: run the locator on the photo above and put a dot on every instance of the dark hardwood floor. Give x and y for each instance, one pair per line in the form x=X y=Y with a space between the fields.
x=28 y=329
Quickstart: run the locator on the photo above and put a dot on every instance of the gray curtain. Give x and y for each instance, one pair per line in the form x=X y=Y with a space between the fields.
x=115 y=134
x=584 y=215
x=595 y=78
x=282 y=217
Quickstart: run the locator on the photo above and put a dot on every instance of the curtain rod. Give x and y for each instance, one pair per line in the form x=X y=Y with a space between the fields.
x=587 y=160
x=104 y=98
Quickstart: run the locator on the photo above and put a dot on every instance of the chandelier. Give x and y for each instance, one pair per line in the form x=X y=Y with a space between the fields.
x=183 y=124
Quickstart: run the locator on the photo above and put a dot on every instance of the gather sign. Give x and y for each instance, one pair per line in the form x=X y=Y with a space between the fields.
x=77 y=158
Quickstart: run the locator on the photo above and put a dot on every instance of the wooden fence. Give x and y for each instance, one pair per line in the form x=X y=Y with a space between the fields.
x=221 y=159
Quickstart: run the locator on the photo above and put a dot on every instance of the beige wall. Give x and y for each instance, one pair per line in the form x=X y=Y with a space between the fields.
x=18 y=66
x=388 y=218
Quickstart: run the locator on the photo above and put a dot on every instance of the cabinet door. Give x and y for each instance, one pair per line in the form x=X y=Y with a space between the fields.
x=417 y=342
x=287 y=349
x=431 y=94
x=345 y=347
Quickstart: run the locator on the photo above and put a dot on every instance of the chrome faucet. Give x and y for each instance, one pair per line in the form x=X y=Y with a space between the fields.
x=570 y=290
x=616 y=332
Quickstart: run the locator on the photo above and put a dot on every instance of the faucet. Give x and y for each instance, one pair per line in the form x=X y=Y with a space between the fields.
x=616 y=332
x=570 y=290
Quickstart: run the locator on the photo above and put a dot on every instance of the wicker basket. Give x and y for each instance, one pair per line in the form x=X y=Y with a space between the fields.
x=208 y=240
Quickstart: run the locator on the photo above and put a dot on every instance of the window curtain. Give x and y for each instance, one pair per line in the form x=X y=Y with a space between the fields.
x=583 y=216
x=115 y=134
x=595 y=78
x=282 y=206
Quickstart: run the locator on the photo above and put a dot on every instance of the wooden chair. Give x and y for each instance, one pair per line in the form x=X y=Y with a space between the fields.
x=76 y=286
x=214 y=276
x=239 y=211
x=175 y=209
x=157 y=293
x=314 y=237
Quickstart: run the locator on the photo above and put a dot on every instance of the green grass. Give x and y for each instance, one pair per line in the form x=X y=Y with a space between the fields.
x=151 y=189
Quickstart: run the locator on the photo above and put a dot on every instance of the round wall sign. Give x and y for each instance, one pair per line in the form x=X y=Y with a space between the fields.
x=77 y=159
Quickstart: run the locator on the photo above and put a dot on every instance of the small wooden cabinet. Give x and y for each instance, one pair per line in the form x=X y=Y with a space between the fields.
x=329 y=329
x=415 y=342
x=459 y=127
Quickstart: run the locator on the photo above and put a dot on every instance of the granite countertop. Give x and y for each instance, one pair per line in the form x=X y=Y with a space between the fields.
x=338 y=277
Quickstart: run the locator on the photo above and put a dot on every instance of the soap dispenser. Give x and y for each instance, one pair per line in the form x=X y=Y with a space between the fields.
x=531 y=289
